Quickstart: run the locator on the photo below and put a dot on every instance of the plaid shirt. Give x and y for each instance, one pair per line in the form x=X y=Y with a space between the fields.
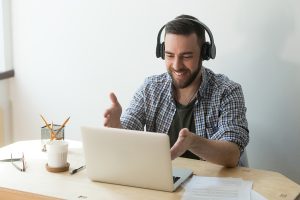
x=219 y=110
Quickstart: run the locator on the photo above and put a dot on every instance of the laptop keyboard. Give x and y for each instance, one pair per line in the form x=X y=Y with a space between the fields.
x=175 y=178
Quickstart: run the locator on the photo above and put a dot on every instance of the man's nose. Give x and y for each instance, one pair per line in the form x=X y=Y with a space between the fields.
x=177 y=64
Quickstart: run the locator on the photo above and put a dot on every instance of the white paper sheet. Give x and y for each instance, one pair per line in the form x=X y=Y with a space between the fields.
x=214 y=188
x=256 y=196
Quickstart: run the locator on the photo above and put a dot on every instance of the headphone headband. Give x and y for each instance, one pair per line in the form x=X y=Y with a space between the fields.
x=208 y=48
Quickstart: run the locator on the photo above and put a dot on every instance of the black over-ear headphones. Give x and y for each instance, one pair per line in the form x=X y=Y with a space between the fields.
x=208 y=48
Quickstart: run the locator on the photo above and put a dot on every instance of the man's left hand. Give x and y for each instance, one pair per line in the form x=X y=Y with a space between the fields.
x=183 y=143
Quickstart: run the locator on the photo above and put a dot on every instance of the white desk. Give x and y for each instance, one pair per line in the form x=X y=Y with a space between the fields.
x=37 y=180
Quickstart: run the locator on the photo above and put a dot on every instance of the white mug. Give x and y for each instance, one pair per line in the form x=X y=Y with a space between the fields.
x=57 y=151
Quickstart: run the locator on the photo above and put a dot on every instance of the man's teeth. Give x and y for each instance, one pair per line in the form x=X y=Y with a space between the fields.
x=179 y=73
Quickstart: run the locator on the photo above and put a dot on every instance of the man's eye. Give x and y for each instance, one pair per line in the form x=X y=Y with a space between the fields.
x=169 y=56
x=187 y=57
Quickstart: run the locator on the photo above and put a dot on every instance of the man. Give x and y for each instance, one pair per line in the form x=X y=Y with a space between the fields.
x=202 y=112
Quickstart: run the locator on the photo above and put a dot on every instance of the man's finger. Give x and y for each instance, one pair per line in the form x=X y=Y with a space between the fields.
x=173 y=154
x=175 y=151
x=113 y=99
x=184 y=132
x=107 y=113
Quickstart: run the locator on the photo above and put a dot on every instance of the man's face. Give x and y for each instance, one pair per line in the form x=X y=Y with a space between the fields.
x=182 y=56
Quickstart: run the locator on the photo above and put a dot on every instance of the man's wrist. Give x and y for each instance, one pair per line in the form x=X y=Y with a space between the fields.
x=120 y=125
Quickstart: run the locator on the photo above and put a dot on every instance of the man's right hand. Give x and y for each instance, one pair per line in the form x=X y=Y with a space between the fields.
x=113 y=114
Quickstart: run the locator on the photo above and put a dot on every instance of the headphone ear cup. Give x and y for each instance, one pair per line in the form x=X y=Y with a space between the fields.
x=205 y=51
x=157 y=50
x=162 y=50
x=158 y=47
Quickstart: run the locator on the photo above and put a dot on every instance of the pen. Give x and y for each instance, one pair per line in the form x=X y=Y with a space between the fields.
x=74 y=171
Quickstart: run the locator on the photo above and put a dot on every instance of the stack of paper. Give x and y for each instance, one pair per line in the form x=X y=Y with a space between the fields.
x=208 y=188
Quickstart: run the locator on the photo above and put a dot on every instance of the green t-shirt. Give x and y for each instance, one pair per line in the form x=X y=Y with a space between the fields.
x=183 y=118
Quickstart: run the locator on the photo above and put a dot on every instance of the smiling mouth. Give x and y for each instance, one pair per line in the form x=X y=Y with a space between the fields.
x=180 y=74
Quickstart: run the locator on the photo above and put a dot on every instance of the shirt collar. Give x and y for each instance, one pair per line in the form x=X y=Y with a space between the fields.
x=170 y=86
x=204 y=82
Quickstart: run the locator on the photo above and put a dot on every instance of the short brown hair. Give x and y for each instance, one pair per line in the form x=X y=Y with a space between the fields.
x=181 y=25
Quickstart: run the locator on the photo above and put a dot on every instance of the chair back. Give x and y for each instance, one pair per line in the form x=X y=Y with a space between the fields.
x=244 y=160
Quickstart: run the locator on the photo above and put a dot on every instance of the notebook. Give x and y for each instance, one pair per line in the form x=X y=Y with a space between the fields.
x=131 y=158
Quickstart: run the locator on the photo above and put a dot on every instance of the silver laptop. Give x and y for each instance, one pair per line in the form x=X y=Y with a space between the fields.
x=132 y=158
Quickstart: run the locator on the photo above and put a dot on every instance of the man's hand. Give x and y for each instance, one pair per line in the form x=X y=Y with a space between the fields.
x=113 y=114
x=183 y=143
x=216 y=151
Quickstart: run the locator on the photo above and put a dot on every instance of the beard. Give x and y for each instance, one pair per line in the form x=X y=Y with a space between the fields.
x=180 y=84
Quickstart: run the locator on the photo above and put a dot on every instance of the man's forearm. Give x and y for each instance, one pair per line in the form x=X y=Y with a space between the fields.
x=216 y=151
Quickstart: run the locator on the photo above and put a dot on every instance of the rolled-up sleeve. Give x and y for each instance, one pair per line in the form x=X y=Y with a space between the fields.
x=232 y=123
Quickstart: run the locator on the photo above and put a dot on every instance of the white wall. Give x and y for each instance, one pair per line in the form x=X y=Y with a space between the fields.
x=69 y=54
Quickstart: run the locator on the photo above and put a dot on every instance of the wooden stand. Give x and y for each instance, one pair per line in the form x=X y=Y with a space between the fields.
x=59 y=169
